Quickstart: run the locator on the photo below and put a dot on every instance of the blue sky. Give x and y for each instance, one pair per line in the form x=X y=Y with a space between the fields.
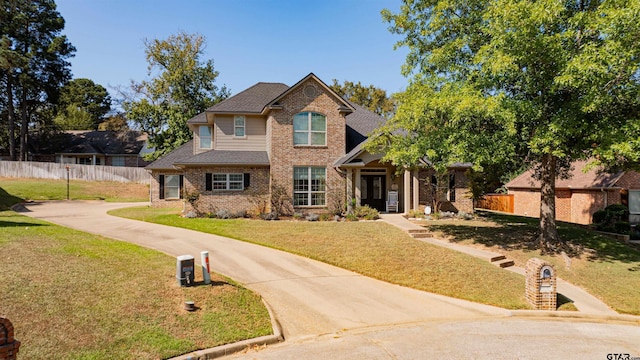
x=249 y=40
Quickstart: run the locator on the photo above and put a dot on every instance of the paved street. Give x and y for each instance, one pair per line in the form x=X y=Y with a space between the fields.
x=328 y=312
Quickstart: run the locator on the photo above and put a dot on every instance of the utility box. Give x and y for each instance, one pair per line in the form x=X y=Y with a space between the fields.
x=540 y=284
x=184 y=270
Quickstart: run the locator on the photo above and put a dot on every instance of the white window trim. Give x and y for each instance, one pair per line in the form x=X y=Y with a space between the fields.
x=243 y=127
x=309 y=193
x=309 y=132
x=166 y=187
x=210 y=137
x=227 y=181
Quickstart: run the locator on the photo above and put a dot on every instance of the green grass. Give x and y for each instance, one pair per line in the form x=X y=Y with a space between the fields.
x=14 y=190
x=373 y=249
x=72 y=295
x=606 y=268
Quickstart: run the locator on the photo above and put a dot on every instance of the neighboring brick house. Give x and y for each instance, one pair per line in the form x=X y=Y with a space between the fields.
x=90 y=147
x=579 y=196
x=303 y=141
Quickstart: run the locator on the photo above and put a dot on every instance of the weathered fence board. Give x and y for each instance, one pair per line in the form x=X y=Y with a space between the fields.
x=497 y=202
x=46 y=170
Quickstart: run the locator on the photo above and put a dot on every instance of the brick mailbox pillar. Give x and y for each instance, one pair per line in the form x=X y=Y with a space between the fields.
x=540 y=284
x=8 y=345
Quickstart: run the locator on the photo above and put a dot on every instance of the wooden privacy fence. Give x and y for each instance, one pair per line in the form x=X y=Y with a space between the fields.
x=497 y=202
x=46 y=170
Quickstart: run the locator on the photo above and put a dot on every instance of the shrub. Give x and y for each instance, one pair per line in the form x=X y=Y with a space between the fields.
x=622 y=227
x=465 y=216
x=416 y=214
x=224 y=214
x=325 y=217
x=366 y=212
x=614 y=218
x=298 y=215
x=351 y=217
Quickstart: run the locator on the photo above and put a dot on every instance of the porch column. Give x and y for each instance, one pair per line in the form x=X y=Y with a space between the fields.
x=93 y=161
x=349 y=189
x=407 y=191
x=416 y=190
x=358 y=192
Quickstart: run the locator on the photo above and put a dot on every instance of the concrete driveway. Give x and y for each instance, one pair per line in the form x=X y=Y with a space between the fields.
x=325 y=309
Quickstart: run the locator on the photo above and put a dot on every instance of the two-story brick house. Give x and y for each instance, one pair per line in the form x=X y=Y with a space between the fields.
x=303 y=141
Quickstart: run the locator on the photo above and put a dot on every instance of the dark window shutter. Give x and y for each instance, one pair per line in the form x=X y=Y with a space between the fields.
x=247 y=180
x=208 y=182
x=181 y=185
x=452 y=187
x=161 y=186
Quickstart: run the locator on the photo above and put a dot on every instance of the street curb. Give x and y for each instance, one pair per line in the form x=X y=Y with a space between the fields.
x=576 y=315
x=228 y=349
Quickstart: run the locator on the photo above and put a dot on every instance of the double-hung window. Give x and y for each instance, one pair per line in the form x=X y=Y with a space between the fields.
x=239 y=126
x=309 y=128
x=225 y=182
x=309 y=186
x=205 y=136
x=170 y=186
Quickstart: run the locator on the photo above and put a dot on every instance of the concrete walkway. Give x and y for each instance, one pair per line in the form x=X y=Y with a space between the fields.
x=583 y=301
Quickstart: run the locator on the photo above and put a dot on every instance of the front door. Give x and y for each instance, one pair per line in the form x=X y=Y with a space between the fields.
x=372 y=191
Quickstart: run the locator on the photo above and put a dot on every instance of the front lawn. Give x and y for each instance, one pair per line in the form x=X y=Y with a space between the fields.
x=373 y=249
x=73 y=295
x=603 y=266
x=47 y=189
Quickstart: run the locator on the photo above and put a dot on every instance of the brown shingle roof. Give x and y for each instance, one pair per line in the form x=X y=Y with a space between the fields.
x=251 y=100
x=578 y=179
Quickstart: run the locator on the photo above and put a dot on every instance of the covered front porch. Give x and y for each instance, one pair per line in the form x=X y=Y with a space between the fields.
x=373 y=183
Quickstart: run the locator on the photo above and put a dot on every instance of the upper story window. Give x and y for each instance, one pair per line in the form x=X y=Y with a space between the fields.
x=309 y=128
x=205 y=136
x=239 y=126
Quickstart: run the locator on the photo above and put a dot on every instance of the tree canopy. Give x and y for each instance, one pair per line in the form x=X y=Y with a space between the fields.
x=33 y=67
x=539 y=82
x=182 y=86
x=371 y=97
x=79 y=97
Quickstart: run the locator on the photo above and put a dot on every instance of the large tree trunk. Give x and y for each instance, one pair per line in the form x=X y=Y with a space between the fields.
x=11 y=118
x=549 y=239
x=24 y=128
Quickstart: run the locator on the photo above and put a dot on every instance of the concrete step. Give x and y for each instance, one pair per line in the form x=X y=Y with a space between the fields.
x=421 y=235
x=506 y=263
x=417 y=231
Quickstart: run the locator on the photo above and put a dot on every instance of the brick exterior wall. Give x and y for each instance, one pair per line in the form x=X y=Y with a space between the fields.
x=284 y=155
x=576 y=206
x=254 y=199
x=526 y=202
x=9 y=346
x=563 y=205
x=463 y=201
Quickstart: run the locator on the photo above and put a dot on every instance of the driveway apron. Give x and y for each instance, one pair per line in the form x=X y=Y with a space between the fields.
x=308 y=297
